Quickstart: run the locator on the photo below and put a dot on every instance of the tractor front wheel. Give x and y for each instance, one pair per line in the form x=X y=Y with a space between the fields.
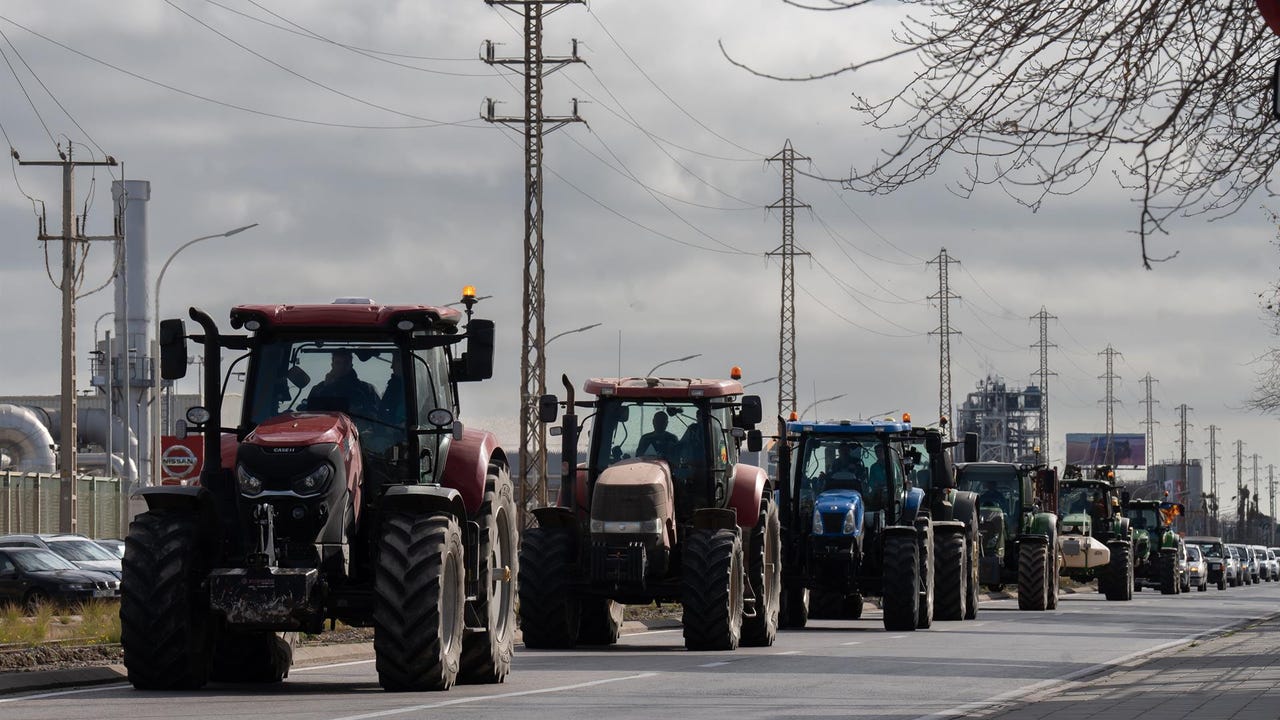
x=599 y=621
x=486 y=655
x=924 y=541
x=795 y=607
x=1169 y=583
x=1120 y=571
x=1032 y=576
x=253 y=656
x=549 y=610
x=949 y=572
x=712 y=598
x=901 y=582
x=764 y=572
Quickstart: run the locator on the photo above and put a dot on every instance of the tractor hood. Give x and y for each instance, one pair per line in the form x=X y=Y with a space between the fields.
x=299 y=429
x=634 y=496
x=832 y=510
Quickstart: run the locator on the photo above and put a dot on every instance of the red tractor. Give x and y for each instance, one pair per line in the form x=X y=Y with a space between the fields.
x=347 y=491
x=662 y=511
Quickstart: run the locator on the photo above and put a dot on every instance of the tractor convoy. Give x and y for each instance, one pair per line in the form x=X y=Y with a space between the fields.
x=348 y=490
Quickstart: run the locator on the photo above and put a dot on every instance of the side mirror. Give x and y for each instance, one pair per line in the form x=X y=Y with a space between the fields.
x=755 y=441
x=548 y=408
x=751 y=412
x=477 y=362
x=298 y=376
x=180 y=428
x=173 y=349
x=457 y=429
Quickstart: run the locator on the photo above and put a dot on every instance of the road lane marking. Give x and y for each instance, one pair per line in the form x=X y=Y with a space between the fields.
x=896 y=637
x=789 y=652
x=653 y=632
x=60 y=693
x=716 y=664
x=855 y=642
x=331 y=665
x=500 y=696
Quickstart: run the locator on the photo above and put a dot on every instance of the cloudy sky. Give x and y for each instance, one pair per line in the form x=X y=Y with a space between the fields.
x=350 y=132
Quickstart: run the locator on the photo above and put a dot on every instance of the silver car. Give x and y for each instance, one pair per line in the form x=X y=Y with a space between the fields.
x=1237 y=566
x=1197 y=568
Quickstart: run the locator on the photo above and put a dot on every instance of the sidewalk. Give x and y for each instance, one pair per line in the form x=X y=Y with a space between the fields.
x=1235 y=676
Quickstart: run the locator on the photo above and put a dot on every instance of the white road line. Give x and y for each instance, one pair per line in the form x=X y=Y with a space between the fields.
x=716 y=664
x=653 y=632
x=789 y=652
x=855 y=642
x=60 y=693
x=331 y=665
x=896 y=637
x=501 y=696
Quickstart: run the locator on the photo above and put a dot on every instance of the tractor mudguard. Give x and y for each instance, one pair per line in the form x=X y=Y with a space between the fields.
x=1033 y=539
x=423 y=500
x=467 y=466
x=1168 y=541
x=965 y=507
x=1043 y=524
x=554 y=517
x=749 y=484
x=911 y=508
x=948 y=527
x=192 y=500
x=715 y=519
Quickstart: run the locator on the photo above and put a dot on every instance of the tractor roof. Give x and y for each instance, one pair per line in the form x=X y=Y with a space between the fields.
x=848 y=426
x=662 y=388
x=346 y=314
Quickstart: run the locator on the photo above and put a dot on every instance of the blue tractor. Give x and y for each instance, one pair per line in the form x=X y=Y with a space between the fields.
x=854 y=525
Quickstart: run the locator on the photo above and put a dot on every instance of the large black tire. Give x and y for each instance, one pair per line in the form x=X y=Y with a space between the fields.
x=764 y=572
x=1033 y=560
x=795 y=607
x=826 y=605
x=1051 y=584
x=253 y=656
x=1120 y=571
x=901 y=582
x=924 y=556
x=549 y=610
x=950 y=568
x=853 y=606
x=713 y=590
x=1169 y=583
x=486 y=656
x=973 y=562
x=599 y=621
x=419 y=602
x=165 y=626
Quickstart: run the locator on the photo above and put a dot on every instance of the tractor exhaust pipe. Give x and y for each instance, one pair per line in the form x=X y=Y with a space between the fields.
x=212 y=394
x=569 y=450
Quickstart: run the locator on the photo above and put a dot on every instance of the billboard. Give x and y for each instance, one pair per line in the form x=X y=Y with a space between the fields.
x=1127 y=449
x=181 y=459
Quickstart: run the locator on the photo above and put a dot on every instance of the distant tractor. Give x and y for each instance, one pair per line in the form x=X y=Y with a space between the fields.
x=1155 y=544
x=329 y=499
x=1019 y=528
x=663 y=511
x=855 y=526
x=1094 y=537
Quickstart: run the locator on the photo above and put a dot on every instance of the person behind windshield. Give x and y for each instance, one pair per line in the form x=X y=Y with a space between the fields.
x=342 y=383
x=878 y=476
x=991 y=495
x=391 y=406
x=847 y=471
x=658 y=441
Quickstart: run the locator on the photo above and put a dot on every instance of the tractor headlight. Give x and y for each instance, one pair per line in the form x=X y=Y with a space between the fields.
x=653 y=526
x=817 y=520
x=314 y=482
x=249 y=485
x=849 y=526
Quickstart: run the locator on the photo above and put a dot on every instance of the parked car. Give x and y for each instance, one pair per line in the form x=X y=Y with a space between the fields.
x=1240 y=575
x=1274 y=553
x=1248 y=563
x=1266 y=563
x=115 y=545
x=1197 y=568
x=85 y=553
x=1217 y=560
x=30 y=576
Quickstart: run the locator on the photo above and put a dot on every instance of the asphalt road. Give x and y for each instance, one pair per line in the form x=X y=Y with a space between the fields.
x=831 y=669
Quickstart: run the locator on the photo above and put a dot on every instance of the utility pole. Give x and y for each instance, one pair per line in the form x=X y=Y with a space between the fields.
x=73 y=251
x=1182 y=445
x=1252 y=513
x=533 y=67
x=1213 y=478
x=787 y=251
x=1241 y=493
x=1108 y=457
x=1150 y=422
x=1043 y=374
x=1271 y=521
x=944 y=296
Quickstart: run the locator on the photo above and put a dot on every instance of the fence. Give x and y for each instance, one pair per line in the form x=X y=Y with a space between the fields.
x=31 y=503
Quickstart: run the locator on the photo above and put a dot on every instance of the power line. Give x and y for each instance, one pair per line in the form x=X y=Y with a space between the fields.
x=916 y=258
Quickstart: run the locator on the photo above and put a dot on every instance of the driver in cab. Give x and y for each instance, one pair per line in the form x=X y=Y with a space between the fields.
x=342 y=389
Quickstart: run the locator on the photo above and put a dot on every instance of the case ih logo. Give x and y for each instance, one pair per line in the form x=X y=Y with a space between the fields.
x=181 y=459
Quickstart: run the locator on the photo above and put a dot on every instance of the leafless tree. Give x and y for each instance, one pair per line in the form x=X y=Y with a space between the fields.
x=1040 y=96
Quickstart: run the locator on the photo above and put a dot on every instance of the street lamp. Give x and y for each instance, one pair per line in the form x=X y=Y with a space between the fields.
x=815 y=403
x=584 y=328
x=668 y=362
x=760 y=382
x=155 y=346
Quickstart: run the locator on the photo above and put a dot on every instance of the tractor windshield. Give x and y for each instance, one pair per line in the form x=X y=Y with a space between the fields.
x=654 y=429
x=996 y=486
x=1143 y=518
x=845 y=462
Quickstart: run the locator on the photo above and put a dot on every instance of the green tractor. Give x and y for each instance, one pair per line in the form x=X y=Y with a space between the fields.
x=1095 y=539
x=1155 y=545
x=1017 y=504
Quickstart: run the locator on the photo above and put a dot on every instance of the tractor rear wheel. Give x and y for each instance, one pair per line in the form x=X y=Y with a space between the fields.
x=599 y=621
x=764 y=572
x=165 y=628
x=1168 y=574
x=795 y=607
x=924 y=550
x=549 y=611
x=1032 y=576
x=419 y=602
x=1051 y=583
x=1119 y=572
x=712 y=583
x=973 y=561
x=949 y=572
x=901 y=582
x=853 y=606
x=486 y=655
x=253 y=656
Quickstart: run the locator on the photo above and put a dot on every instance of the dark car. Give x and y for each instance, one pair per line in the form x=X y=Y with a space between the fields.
x=85 y=553
x=115 y=545
x=30 y=576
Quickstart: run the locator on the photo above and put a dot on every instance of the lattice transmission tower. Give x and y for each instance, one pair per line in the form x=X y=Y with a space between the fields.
x=787 y=251
x=1109 y=456
x=1150 y=422
x=944 y=296
x=1043 y=377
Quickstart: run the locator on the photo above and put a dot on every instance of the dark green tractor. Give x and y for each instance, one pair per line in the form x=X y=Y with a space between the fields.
x=1017 y=506
x=1094 y=538
x=1155 y=545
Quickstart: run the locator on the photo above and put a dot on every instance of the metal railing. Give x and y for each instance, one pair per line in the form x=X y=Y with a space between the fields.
x=31 y=503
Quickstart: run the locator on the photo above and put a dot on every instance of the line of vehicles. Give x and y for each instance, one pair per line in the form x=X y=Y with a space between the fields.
x=56 y=568
x=349 y=490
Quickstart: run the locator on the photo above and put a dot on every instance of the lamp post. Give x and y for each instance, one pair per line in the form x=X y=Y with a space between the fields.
x=155 y=347
x=760 y=382
x=668 y=362
x=584 y=328
x=815 y=403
